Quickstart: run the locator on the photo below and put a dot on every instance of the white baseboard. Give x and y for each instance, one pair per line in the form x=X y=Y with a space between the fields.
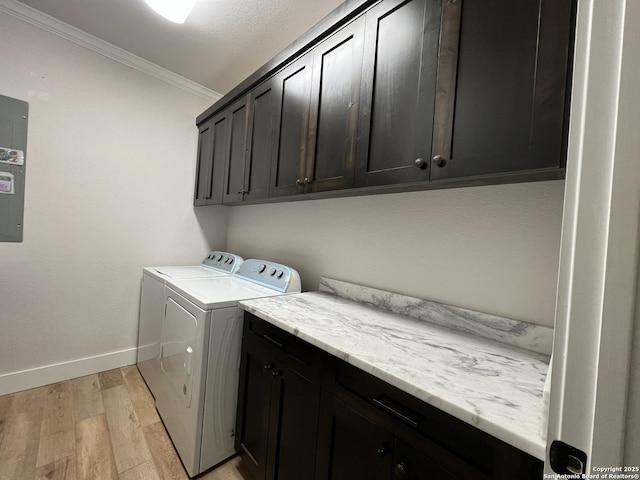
x=36 y=377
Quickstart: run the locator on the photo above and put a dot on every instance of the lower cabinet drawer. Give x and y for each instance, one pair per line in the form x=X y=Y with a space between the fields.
x=296 y=353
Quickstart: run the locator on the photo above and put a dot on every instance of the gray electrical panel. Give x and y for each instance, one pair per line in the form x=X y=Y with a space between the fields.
x=14 y=116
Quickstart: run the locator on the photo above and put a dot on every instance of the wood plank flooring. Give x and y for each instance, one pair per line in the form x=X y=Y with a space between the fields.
x=98 y=427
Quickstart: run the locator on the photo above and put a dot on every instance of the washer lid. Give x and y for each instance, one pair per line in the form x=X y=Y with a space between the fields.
x=196 y=271
x=220 y=292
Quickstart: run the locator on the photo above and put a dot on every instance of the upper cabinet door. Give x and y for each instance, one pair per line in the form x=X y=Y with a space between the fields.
x=292 y=120
x=398 y=90
x=260 y=141
x=238 y=115
x=507 y=99
x=335 y=97
x=212 y=154
x=205 y=163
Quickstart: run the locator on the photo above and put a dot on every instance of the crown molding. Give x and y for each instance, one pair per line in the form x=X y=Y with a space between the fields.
x=52 y=25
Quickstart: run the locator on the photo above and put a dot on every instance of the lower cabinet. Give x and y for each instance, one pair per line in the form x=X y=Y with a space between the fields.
x=353 y=447
x=303 y=414
x=350 y=447
x=277 y=418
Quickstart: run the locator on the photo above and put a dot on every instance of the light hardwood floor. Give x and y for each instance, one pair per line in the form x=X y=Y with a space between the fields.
x=98 y=427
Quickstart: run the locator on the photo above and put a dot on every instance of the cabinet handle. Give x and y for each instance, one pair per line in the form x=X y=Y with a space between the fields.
x=397 y=411
x=439 y=160
x=275 y=342
x=382 y=451
x=420 y=163
x=267 y=367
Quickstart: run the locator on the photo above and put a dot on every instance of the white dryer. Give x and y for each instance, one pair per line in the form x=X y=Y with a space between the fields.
x=200 y=357
x=215 y=264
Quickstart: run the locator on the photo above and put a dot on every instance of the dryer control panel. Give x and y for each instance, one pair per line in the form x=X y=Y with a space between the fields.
x=223 y=261
x=270 y=274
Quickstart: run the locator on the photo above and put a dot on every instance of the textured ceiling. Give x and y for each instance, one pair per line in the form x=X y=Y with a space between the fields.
x=221 y=43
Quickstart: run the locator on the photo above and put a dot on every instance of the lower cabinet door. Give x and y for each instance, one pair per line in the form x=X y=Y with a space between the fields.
x=254 y=402
x=350 y=447
x=295 y=404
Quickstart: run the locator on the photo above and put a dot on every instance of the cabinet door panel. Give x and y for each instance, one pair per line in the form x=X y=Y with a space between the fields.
x=294 y=86
x=510 y=88
x=254 y=394
x=220 y=125
x=350 y=447
x=260 y=142
x=234 y=166
x=398 y=91
x=205 y=164
x=296 y=401
x=337 y=68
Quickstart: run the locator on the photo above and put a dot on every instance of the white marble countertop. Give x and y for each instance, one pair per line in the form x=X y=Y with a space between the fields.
x=492 y=386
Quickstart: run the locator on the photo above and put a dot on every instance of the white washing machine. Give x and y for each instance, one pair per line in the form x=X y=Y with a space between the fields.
x=215 y=264
x=200 y=357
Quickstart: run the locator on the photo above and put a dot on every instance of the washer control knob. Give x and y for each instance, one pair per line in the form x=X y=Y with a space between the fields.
x=219 y=257
x=279 y=274
x=262 y=268
x=272 y=272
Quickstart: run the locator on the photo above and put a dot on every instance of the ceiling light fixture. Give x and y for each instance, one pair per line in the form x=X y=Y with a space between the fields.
x=175 y=10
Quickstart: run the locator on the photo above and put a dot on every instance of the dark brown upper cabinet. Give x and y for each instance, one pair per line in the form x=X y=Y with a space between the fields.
x=504 y=109
x=335 y=98
x=260 y=142
x=205 y=162
x=250 y=148
x=398 y=92
x=317 y=116
x=238 y=119
x=396 y=95
x=293 y=89
x=212 y=153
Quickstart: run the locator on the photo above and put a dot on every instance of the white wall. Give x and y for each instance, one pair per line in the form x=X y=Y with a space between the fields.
x=492 y=249
x=109 y=183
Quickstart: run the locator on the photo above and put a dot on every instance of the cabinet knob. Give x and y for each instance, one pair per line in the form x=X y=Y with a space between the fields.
x=267 y=367
x=275 y=373
x=382 y=451
x=401 y=469
x=298 y=182
x=439 y=160
x=420 y=163
x=306 y=180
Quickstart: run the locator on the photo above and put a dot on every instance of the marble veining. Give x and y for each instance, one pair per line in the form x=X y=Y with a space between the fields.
x=491 y=385
x=520 y=334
